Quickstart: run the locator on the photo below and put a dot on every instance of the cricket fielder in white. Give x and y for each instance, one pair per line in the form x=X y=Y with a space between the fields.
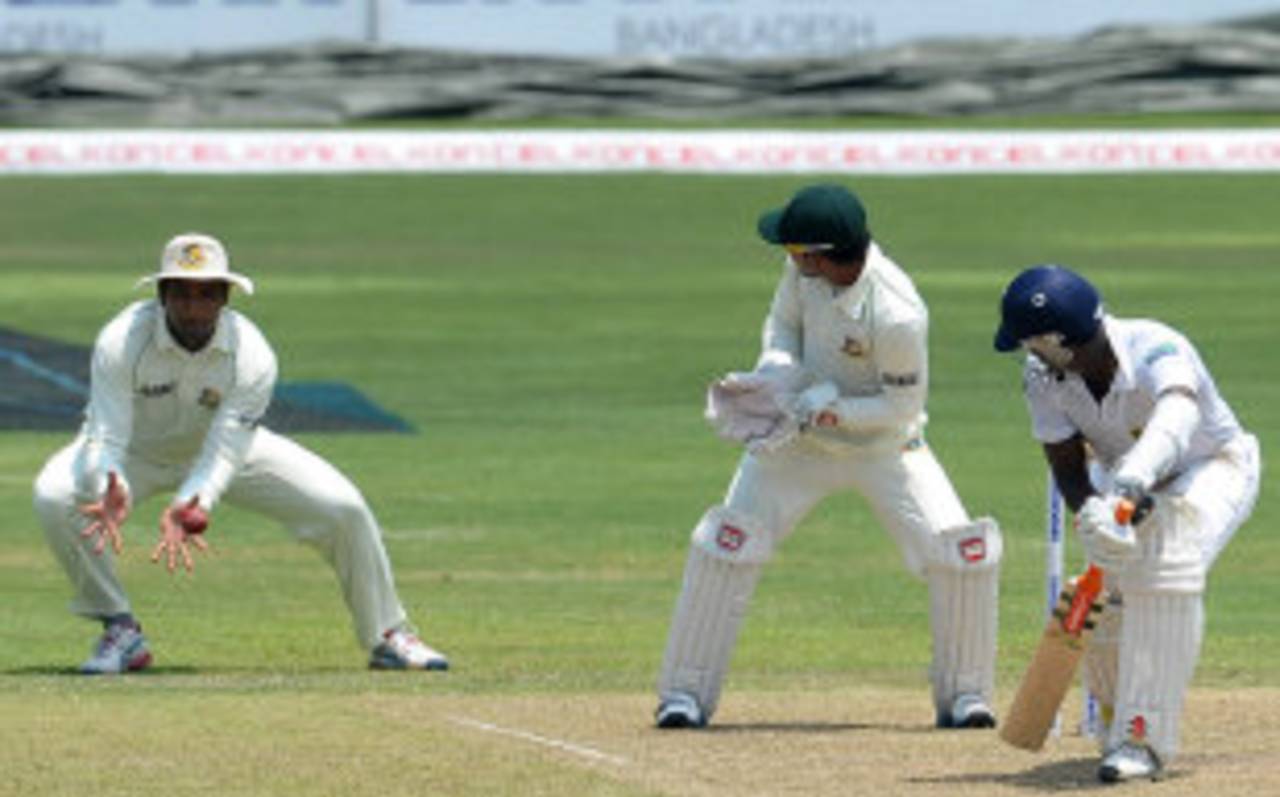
x=835 y=402
x=179 y=384
x=1125 y=410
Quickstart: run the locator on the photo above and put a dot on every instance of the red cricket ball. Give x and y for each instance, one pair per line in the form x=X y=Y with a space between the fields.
x=194 y=520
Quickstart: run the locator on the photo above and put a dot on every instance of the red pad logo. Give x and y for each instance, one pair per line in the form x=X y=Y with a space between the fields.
x=1138 y=728
x=730 y=538
x=973 y=549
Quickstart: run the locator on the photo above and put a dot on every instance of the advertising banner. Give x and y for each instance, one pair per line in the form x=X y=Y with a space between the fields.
x=174 y=27
x=938 y=152
x=738 y=29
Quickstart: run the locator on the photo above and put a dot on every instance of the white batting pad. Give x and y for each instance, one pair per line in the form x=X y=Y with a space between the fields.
x=1101 y=664
x=963 y=593
x=1171 y=551
x=713 y=600
x=1159 y=647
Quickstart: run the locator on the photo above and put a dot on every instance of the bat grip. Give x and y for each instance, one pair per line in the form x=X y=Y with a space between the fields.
x=1088 y=588
x=1124 y=511
x=1131 y=512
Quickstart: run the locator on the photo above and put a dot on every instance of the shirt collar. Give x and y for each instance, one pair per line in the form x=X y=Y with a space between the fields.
x=221 y=340
x=1124 y=377
x=854 y=296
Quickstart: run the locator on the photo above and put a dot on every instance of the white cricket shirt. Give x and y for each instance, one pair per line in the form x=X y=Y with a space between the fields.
x=869 y=339
x=151 y=398
x=1151 y=358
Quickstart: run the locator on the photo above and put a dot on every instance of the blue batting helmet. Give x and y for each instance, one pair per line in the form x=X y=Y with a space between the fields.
x=1046 y=299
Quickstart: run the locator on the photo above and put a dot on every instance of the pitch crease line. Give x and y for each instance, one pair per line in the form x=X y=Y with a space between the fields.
x=569 y=747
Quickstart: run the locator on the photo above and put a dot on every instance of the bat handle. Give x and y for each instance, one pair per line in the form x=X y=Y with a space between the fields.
x=1125 y=511
x=1128 y=511
x=1088 y=588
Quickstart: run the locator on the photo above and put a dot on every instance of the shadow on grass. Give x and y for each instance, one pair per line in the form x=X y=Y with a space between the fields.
x=1072 y=775
x=188 y=669
x=73 y=671
x=811 y=727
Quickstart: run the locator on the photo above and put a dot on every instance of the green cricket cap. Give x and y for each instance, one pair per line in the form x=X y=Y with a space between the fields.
x=818 y=214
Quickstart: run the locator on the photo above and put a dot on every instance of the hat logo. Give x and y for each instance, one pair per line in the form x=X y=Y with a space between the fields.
x=192 y=257
x=1038 y=299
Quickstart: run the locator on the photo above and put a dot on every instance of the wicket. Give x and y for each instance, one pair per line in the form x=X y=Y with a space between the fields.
x=1054 y=549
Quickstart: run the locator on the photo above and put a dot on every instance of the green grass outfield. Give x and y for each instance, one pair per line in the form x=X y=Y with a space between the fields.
x=550 y=338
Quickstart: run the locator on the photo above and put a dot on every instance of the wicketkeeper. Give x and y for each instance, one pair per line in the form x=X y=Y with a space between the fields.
x=835 y=402
x=179 y=385
x=1126 y=409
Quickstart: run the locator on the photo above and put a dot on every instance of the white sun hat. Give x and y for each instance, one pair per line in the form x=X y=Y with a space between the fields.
x=193 y=256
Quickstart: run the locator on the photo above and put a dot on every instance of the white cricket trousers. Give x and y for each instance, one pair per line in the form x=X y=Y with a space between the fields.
x=279 y=479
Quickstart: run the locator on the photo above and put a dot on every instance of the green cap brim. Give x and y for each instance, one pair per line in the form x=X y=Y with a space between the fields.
x=768 y=226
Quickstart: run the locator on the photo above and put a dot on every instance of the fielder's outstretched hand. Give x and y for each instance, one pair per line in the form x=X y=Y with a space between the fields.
x=106 y=516
x=181 y=526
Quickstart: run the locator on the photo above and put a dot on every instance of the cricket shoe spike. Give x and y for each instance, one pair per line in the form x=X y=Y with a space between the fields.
x=680 y=710
x=400 y=649
x=968 y=711
x=121 y=648
x=1130 y=761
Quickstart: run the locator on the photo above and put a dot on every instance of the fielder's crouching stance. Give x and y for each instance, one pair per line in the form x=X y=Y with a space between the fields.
x=836 y=402
x=1125 y=409
x=178 y=387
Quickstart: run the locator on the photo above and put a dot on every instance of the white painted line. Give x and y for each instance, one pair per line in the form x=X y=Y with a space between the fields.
x=557 y=744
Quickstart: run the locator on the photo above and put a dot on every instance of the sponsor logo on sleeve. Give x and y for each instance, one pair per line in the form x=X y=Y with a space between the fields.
x=900 y=380
x=1166 y=349
x=156 y=391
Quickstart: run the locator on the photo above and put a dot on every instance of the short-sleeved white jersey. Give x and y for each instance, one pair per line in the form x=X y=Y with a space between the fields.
x=869 y=339
x=153 y=399
x=1151 y=358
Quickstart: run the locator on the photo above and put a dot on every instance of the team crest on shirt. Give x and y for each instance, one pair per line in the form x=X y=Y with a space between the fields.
x=853 y=347
x=730 y=538
x=209 y=398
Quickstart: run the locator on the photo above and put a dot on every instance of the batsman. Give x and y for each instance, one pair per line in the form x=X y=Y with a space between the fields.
x=835 y=402
x=1126 y=412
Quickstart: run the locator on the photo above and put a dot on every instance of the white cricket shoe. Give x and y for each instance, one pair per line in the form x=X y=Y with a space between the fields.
x=680 y=710
x=968 y=710
x=1130 y=761
x=400 y=649
x=121 y=648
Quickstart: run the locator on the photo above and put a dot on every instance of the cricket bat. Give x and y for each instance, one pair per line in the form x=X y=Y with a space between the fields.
x=1052 y=668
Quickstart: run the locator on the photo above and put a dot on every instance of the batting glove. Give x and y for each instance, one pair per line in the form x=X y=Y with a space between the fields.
x=1107 y=543
x=1131 y=488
